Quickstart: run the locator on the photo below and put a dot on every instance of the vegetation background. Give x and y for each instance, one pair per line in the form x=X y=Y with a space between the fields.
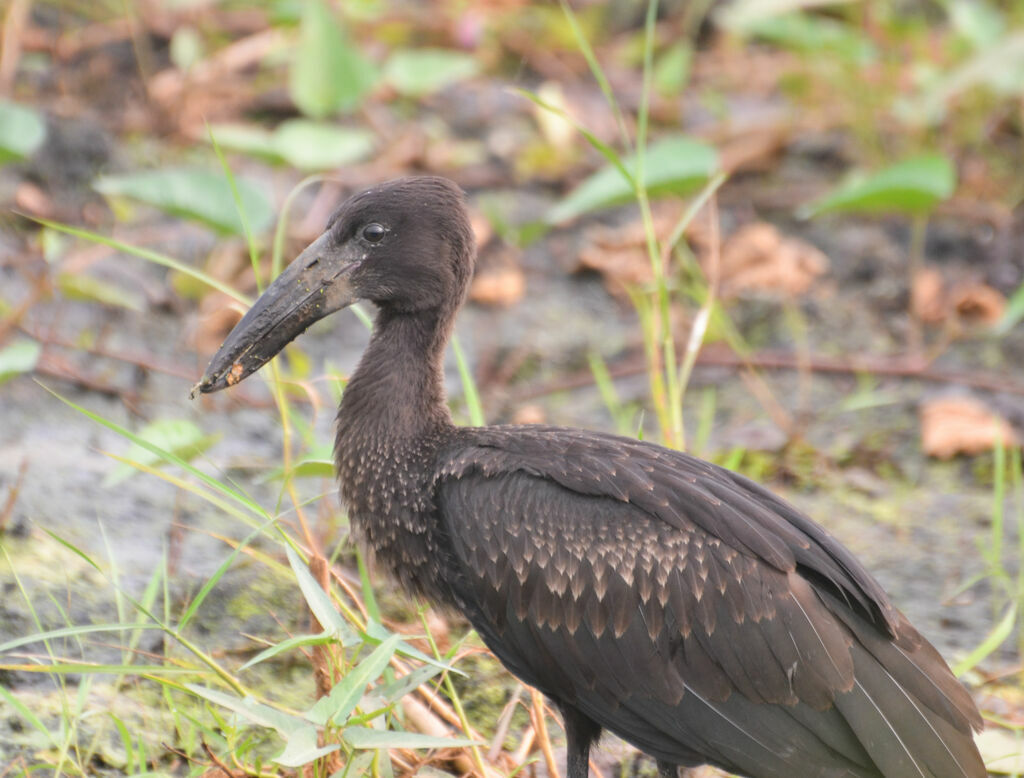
x=785 y=235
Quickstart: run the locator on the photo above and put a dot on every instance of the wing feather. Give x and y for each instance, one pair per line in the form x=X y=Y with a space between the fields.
x=692 y=612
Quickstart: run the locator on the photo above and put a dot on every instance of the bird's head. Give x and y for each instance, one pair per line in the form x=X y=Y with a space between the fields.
x=405 y=245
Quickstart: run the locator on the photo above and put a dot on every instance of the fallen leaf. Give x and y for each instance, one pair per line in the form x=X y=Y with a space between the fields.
x=961 y=425
x=529 y=414
x=761 y=258
x=978 y=302
x=504 y=286
x=33 y=200
x=928 y=296
x=620 y=255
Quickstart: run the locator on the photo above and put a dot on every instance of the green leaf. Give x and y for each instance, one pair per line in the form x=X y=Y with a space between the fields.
x=329 y=73
x=676 y=165
x=813 y=34
x=740 y=15
x=252 y=711
x=320 y=602
x=17 y=358
x=420 y=72
x=1000 y=632
x=301 y=748
x=198 y=195
x=180 y=437
x=400 y=687
x=914 y=185
x=672 y=70
x=336 y=706
x=314 y=146
x=22 y=131
x=299 y=142
x=285 y=645
x=363 y=737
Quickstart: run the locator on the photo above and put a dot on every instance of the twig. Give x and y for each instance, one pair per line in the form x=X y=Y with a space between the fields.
x=217 y=761
x=12 y=496
x=901 y=366
x=541 y=728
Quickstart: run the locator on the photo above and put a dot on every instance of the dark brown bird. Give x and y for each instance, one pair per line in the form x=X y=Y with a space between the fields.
x=675 y=603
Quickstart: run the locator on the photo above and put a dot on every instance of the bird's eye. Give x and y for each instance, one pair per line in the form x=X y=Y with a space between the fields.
x=374 y=233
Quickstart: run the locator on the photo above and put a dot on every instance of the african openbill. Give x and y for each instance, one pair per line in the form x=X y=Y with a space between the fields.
x=675 y=603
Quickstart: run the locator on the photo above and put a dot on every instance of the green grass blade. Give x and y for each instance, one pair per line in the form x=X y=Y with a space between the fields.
x=280 y=232
x=198 y=600
x=598 y=72
x=605 y=150
x=67 y=632
x=243 y=216
x=150 y=256
x=992 y=641
x=167 y=456
x=473 y=406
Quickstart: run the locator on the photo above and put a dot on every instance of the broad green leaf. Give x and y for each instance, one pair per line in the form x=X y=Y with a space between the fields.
x=179 y=437
x=301 y=748
x=317 y=463
x=255 y=712
x=915 y=185
x=329 y=73
x=285 y=645
x=672 y=70
x=400 y=687
x=19 y=357
x=419 y=72
x=22 y=131
x=675 y=165
x=299 y=142
x=314 y=146
x=80 y=286
x=740 y=15
x=377 y=633
x=247 y=139
x=363 y=737
x=813 y=34
x=320 y=602
x=338 y=704
x=198 y=195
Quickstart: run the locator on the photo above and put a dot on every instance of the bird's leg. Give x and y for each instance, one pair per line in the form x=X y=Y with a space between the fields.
x=667 y=769
x=580 y=733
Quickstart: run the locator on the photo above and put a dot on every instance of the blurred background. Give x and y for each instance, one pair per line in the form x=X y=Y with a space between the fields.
x=784 y=235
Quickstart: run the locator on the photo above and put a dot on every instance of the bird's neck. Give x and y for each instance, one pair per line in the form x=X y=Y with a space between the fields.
x=396 y=395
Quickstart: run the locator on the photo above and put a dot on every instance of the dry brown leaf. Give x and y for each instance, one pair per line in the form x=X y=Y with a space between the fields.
x=978 y=302
x=620 y=255
x=928 y=296
x=529 y=414
x=33 y=200
x=961 y=425
x=504 y=286
x=759 y=257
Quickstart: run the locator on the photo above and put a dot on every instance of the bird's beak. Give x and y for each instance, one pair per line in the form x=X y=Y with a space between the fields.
x=315 y=284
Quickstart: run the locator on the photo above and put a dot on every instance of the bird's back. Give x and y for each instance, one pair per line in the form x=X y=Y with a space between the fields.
x=690 y=611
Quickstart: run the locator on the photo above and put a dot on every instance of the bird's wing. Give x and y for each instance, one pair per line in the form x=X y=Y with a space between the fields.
x=690 y=611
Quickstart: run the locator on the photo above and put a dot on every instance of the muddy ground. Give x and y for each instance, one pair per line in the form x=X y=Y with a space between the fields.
x=854 y=461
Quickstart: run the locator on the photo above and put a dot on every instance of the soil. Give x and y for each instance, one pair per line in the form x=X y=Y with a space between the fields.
x=853 y=461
